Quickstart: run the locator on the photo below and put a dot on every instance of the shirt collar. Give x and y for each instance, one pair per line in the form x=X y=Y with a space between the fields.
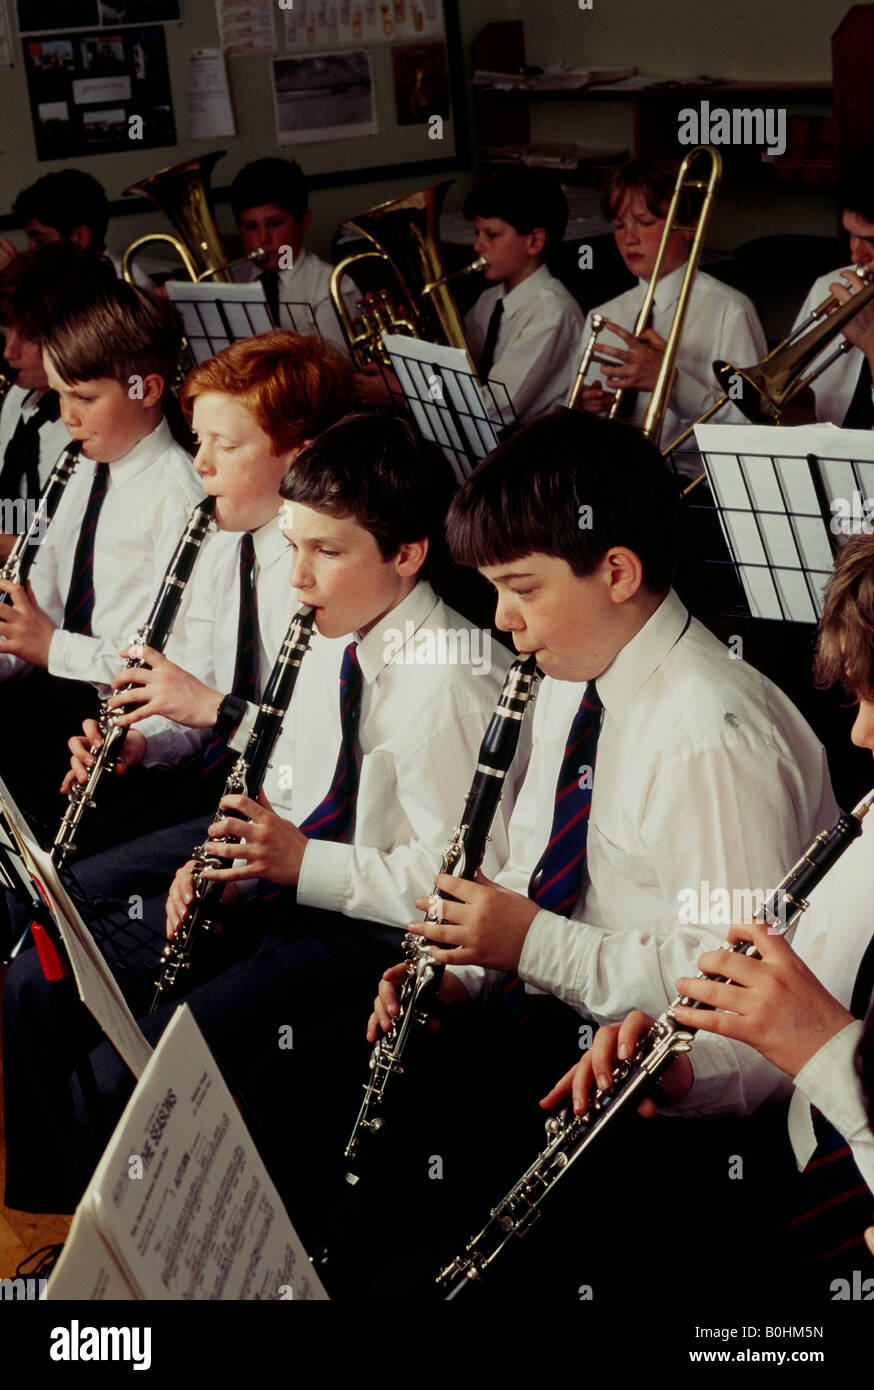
x=668 y=288
x=269 y=542
x=631 y=668
x=296 y=264
x=521 y=295
x=380 y=647
x=143 y=453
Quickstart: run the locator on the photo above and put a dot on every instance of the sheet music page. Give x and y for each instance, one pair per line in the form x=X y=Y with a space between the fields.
x=95 y=982
x=780 y=513
x=216 y=315
x=181 y=1196
x=443 y=394
x=87 y=1270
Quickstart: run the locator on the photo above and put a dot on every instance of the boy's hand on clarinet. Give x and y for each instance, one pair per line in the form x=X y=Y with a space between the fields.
x=615 y=1043
x=776 y=1004
x=181 y=897
x=487 y=922
x=387 y=1002
x=25 y=630
x=84 y=747
x=161 y=687
x=271 y=847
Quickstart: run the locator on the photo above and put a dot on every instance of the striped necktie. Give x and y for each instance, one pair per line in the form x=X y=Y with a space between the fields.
x=80 y=598
x=21 y=457
x=556 y=882
x=245 y=682
x=560 y=872
x=334 y=817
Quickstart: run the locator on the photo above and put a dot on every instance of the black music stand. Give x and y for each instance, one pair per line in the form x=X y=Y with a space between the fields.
x=216 y=315
x=445 y=398
x=784 y=499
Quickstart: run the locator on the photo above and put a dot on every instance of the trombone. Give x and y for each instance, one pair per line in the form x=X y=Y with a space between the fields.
x=707 y=184
x=778 y=379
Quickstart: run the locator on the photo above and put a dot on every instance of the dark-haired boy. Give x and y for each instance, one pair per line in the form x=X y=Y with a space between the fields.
x=661 y=769
x=36 y=290
x=66 y=206
x=121 y=514
x=843 y=392
x=365 y=504
x=270 y=201
x=721 y=323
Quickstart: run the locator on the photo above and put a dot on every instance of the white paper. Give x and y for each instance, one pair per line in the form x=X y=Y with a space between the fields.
x=246 y=27
x=97 y=986
x=313 y=24
x=431 y=394
x=210 y=112
x=87 y=90
x=216 y=315
x=6 y=56
x=770 y=511
x=324 y=96
x=204 y=1221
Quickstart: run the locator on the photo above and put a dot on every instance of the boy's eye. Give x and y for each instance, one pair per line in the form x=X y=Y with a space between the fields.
x=332 y=554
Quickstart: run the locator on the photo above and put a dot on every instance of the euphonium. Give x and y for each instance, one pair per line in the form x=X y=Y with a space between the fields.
x=246 y=778
x=403 y=234
x=154 y=633
x=462 y=858
x=569 y=1136
x=707 y=187
x=182 y=193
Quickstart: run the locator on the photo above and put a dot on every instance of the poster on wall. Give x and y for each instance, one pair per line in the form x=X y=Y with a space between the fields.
x=313 y=24
x=421 y=78
x=99 y=93
x=325 y=96
x=53 y=16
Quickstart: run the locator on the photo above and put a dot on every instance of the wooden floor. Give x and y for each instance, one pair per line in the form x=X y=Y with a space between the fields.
x=22 y=1232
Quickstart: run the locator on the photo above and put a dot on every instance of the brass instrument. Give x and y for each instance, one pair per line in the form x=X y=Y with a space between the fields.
x=404 y=237
x=652 y=425
x=182 y=193
x=768 y=386
x=569 y=1136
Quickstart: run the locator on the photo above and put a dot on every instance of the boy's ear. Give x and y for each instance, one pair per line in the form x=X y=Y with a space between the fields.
x=537 y=241
x=152 y=389
x=624 y=573
x=411 y=557
x=80 y=236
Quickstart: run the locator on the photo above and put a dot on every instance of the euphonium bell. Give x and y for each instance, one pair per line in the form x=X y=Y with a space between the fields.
x=182 y=194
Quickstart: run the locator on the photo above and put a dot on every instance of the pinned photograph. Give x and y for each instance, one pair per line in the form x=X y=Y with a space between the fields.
x=325 y=96
x=421 y=78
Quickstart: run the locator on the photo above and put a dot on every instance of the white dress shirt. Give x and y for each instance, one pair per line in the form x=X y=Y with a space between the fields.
x=537 y=347
x=150 y=493
x=308 y=281
x=721 y=324
x=706 y=778
x=204 y=637
x=53 y=436
x=419 y=733
x=829 y=1082
x=834 y=390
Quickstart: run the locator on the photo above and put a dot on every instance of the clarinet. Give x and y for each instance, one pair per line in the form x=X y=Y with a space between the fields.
x=569 y=1136
x=462 y=858
x=245 y=779
x=24 y=551
x=154 y=633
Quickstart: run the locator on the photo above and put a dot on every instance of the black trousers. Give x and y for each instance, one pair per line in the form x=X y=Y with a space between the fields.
x=311 y=973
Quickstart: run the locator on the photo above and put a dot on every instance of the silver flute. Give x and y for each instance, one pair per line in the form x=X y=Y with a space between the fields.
x=569 y=1136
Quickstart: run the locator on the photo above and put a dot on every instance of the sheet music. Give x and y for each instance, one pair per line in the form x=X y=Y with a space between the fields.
x=95 y=982
x=181 y=1199
x=778 y=528
x=217 y=315
x=444 y=397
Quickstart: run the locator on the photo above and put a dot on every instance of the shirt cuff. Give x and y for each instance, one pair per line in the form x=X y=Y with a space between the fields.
x=545 y=960
x=828 y=1081
x=73 y=656
x=240 y=736
x=325 y=878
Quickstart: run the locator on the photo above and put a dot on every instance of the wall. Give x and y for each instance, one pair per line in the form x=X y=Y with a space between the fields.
x=667 y=37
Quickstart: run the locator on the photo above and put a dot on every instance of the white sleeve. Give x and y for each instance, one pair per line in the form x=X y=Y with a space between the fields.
x=530 y=356
x=372 y=884
x=693 y=830
x=829 y=1082
x=737 y=338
